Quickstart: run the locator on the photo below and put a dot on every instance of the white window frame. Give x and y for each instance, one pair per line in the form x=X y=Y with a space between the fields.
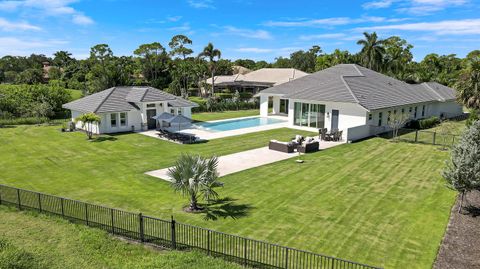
x=120 y=119
x=114 y=116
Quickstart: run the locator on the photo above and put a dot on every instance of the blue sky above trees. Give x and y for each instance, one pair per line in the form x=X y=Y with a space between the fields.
x=240 y=28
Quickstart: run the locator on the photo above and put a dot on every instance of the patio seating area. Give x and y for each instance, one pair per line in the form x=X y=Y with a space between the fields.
x=333 y=135
x=183 y=138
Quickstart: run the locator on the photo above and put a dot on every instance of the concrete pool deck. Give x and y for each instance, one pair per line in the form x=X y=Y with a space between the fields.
x=244 y=160
x=203 y=134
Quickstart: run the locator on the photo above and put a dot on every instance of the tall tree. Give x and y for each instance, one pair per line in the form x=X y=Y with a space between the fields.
x=462 y=172
x=154 y=60
x=305 y=60
x=468 y=84
x=372 y=51
x=181 y=66
x=62 y=58
x=178 y=46
x=397 y=56
x=213 y=55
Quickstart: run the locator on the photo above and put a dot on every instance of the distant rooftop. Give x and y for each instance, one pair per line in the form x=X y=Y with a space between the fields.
x=266 y=76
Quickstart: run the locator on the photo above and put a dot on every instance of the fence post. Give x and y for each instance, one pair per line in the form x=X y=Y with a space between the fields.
x=174 y=243
x=140 y=224
x=245 y=251
x=333 y=263
x=61 y=205
x=434 y=136
x=286 y=258
x=86 y=213
x=39 y=203
x=208 y=242
x=416 y=136
x=18 y=200
x=113 y=225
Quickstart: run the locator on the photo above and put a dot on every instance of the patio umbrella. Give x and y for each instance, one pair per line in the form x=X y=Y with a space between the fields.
x=179 y=119
x=163 y=117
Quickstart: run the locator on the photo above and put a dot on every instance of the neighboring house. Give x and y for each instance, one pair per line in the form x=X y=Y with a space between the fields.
x=255 y=81
x=356 y=100
x=129 y=108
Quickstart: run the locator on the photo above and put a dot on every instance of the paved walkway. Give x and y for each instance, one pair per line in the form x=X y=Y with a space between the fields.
x=240 y=161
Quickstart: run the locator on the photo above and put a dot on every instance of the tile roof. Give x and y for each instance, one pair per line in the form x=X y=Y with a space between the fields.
x=272 y=76
x=352 y=83
x=123 y=98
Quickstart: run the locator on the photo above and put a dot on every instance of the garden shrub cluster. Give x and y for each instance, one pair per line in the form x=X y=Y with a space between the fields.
x=423 y=123
x=216 y=104
x=32 y=103
x=12 y=257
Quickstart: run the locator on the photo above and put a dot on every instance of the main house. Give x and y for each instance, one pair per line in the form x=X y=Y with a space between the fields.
x=355 y=99
x=129 y=108
x=255 y=81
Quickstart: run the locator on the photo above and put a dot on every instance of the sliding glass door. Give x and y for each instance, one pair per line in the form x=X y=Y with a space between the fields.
x=309 y=115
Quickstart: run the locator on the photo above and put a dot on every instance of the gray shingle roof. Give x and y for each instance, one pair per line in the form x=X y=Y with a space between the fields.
x=118 y=99
x=352 y=83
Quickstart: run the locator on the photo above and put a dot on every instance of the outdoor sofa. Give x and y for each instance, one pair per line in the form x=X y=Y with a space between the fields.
x=307 y=147
x=286 y=147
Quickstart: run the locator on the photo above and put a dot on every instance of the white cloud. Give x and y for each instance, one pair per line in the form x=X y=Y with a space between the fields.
x=16 y=46
x=182 y=28
x=47 y=8
x=254 y=50
x=174 y=18
x=248 y=33
x=322 y=36
x=378 y=4
x=447 y=27
x=81 y=19
x=8 y=26
x=329 y=22
x=201 y=4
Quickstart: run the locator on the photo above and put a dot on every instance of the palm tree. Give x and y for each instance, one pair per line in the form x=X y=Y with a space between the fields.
x=211 y=53
x=372 y=51
x=195 y=176
x=468 y=85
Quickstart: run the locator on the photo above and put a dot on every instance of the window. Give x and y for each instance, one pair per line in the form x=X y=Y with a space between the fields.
x=172 y=111
x=311 y=115
x=423 y=111
x=179 y=111
x=415 y=113
x=380 y=116
x=284 y=106
x=389 y=115
x=113 y=120
x=395 y=112
x=370 y=116
x=123 y=119
x=150 y=105
x=410 y=110
x=403 y=110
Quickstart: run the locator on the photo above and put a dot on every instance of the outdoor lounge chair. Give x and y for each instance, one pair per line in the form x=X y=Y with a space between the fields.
x=322 y=132
x=281 y=146
x=337 y=136
x=308 y=147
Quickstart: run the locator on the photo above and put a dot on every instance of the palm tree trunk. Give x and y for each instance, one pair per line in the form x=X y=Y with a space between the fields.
x=461 y=202
x=193 y=202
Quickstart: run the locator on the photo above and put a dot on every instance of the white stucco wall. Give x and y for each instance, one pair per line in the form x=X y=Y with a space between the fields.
x=95 y=127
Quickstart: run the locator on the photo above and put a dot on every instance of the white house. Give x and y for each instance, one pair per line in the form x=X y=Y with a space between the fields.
x=129 y=108
x=356 y=100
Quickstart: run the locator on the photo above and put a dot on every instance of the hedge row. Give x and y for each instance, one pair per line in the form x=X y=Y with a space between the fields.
x=423 y=123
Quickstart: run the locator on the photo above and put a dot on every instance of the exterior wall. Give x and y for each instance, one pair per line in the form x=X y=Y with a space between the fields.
x=350 y=115
x=78 y=125
x=263 y=105
x=447 y=109
x=133 y=119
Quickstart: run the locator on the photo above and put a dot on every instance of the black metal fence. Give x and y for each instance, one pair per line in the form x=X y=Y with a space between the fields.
x=424 y=137
x=172 y=234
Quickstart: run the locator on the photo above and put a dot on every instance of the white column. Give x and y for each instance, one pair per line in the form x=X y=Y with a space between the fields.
x=263 y=105
x=276 y=104
x=291 y=108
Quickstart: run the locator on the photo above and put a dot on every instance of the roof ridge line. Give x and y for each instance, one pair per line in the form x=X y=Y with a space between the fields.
x=349 y=89
x=434 y=91
x=145 y=93
x=358 y=70
x=104 y=99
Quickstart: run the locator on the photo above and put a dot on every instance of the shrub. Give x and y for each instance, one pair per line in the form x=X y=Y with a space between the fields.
x=224 y=96
x=428 y=123
x=472 y=117
x=23 y=121
x=246 y=96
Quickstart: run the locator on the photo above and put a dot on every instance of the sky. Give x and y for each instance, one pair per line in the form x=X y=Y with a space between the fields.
x=259 y=30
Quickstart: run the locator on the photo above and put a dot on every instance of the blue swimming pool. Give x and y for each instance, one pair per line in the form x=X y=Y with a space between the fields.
x=229 y=125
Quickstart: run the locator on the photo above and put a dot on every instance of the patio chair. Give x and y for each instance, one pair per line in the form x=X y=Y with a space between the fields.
x=337 y=136
x=322 y=132
x=281 y=146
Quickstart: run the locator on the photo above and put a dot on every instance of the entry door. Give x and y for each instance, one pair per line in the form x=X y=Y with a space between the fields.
x=152 y=123
x=335 y=119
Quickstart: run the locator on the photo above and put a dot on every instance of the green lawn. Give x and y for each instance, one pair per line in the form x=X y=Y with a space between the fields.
x=208 y=116
x=56 y=243
x=375 y=202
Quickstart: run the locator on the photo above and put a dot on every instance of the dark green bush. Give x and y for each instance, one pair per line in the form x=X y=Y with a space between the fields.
x=246 y=95
x=24 y=121
x=221 y=105
x=428 y=123
x=224 y=96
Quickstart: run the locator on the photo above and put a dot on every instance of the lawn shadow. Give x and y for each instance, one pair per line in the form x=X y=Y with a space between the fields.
x=473 y=211
x=104 y=138
x=226 y=208
x=7 y=126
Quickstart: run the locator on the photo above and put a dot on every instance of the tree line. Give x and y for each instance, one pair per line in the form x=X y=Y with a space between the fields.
x=176 y=69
